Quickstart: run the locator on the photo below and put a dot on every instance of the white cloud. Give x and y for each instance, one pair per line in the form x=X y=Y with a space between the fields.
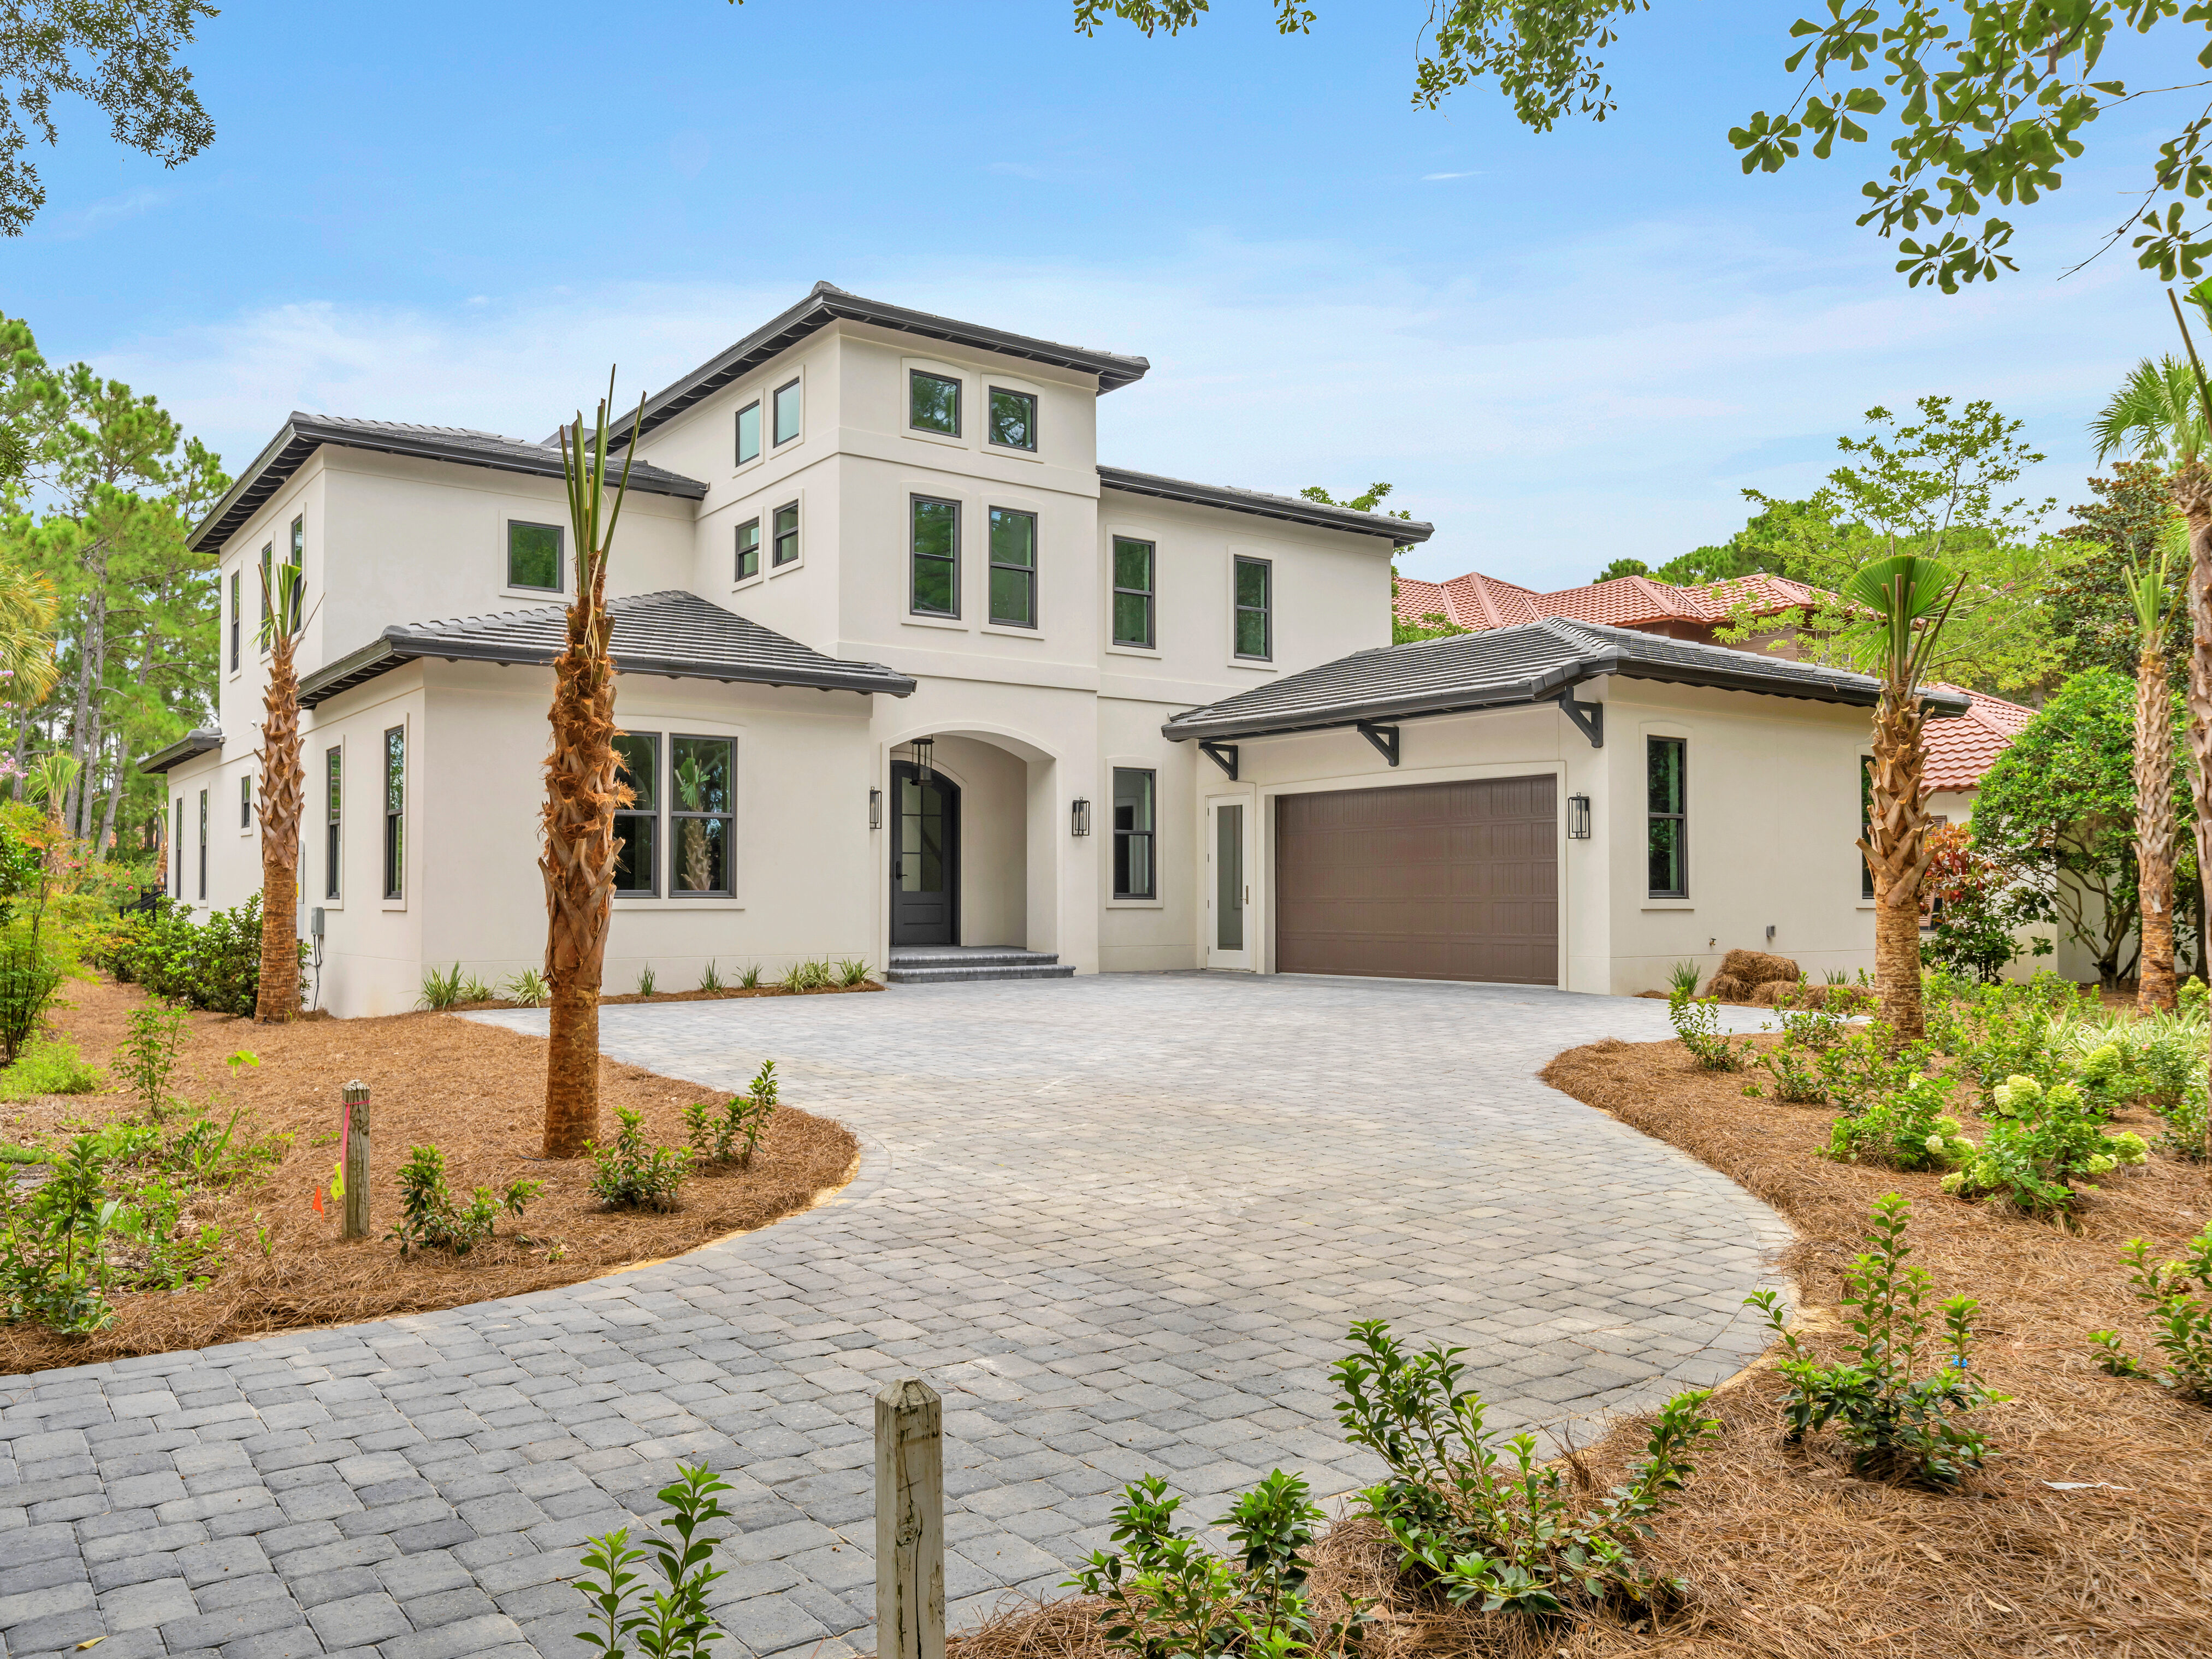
x=75 y=223
x=1432 y=178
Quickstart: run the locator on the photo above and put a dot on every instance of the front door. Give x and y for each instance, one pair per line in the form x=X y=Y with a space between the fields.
x=1228 y=885
x=924 y=858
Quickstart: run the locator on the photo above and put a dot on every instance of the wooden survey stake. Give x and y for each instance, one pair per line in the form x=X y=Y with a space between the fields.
x=354 y=1160
x=909 y=1521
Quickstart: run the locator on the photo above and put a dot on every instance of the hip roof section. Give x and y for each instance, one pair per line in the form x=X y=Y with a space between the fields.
x=1292 y=509
x=1475 y=601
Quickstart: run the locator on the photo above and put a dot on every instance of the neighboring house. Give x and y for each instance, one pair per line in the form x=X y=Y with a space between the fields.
x=1475 y=602
x=1961 y=752
x=904 y=668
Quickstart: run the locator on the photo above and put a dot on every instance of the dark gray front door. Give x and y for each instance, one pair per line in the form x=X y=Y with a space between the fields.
x=924 y=858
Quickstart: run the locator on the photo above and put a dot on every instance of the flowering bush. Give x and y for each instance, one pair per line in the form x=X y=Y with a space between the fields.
x=1908 y=1129
x=2047 y=1140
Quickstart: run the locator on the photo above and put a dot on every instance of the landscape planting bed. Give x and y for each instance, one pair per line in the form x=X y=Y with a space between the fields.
x=475 y=1092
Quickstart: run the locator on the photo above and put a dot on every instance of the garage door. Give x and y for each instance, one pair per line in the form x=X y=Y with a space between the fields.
x=1432 y=881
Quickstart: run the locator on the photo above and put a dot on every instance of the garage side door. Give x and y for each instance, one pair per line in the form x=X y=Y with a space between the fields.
x=1430 y=881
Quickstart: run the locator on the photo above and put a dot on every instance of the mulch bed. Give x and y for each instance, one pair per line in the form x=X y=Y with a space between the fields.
x=1787 y=1554
x=475 y=1092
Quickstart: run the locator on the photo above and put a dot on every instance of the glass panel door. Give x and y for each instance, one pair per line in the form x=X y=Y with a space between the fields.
x=1229 y=885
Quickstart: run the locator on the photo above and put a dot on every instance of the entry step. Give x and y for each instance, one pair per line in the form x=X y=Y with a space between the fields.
x=945 y=964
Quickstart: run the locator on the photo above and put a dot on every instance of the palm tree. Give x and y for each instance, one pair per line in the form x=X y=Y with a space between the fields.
x=2154 y=414
x=2155 y=851
x=284 y=793
x=582 y=789
x=1902 y=603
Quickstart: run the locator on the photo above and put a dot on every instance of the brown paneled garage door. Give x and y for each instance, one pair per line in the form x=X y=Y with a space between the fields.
x=1430 y=881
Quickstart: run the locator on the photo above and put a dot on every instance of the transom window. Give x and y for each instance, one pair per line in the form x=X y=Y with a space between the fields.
x=1666 y=767
x=1013 y=419
x=786 y=411
x=1256 y=608
x=533 y=555
x=1013 y=568
x=936 y=561
x=749 y=548
x=701 y=814
x=1133 y=592
x=1134 y=788
x=933 y=403
x=748 y=433
x=637 y=864
x=395 y=813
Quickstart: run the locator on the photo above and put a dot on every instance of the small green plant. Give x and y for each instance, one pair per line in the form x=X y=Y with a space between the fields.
x=442 y=988
x=527 y=989
x=2179 y=1296
x=710 y=977
x=1907 y=1130
x=147 y=1059
x=52 y=1266
x=646 y=981
x=813 y=975
x=2186 y=1130
x=671 y=1623
x=750 y=979
x=429 y=1219
x=1682 y=979
x=474 y=990
x=731 y=1135
x=1836 y=976
x=1796 y=1070
x=1864 y=1066
x=11 y=1153
x=635 y=1173
x=30 y=975
x=2047 y=1140
x=49 y=1065
x=851 y=972
x=1896 y=1422
x=1697 y=1025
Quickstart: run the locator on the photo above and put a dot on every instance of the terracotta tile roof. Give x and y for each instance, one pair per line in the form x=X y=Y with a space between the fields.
x=1959 y=752
x=1475 y=601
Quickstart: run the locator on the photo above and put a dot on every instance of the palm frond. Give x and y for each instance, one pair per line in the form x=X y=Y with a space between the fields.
x=2157 y=415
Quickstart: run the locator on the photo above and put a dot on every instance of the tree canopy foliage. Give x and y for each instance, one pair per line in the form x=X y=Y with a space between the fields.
x=2091 y=622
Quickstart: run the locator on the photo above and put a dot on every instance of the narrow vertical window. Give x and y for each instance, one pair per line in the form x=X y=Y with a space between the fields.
x=267 y=581
x=637 y=864
x=1013 y=419
x=203 y=829
x=246 y=802
x=701 y=814
x=1133 y=833
x=1665 y=764
x=936 y=545
x=533 y=555
x=1013 y=568
x=177 y=854
x=748 y=433
x=933 y=403
x=333 y=788
x=297 y=556
x=1255 y=609
x=786 y=411
x=1133 y=592
x=237 y=617
x=1866 y=824
x=395 y=813
x=748 y=550
x=785 y=551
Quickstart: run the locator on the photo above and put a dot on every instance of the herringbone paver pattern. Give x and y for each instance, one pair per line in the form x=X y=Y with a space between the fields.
x=1120 y=1222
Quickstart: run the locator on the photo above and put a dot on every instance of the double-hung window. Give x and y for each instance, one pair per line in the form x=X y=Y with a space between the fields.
x=533 y=555
x=203 y=829
x=246 y=802
x=1133 y=592
x=333 y=779
x=395 y=813
x=637 y=863
x=701 y=814
x=936 y=562
x=786 y=411
x=933 y=403
x=1255 y=609
x=1134 y=788
x=748 y=433
x=785 y=551
x=1013 y=568
x=748 y=550
x=1013 y=419
x=1666 y=767
x=237 y=617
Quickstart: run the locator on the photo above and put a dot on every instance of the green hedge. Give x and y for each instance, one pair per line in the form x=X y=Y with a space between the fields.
x=216 y=966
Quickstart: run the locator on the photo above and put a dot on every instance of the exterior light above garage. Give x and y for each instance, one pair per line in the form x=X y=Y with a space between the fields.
x=1578 y=817
x=925 y=751
x=1078 y=817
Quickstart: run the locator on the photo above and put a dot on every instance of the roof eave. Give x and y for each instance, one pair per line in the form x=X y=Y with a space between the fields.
x=1313 y=514
x=1525 y=694
x=193 y=744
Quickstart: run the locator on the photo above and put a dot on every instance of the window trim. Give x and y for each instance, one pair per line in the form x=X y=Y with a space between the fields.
x=334 y=823
x=776 y=564
x=993 y=566
x=1151 y=835
x=959 y=392
x=672 y=813
x=796 y=383
x=1150 y=592
x=1237 y=608
x=740 y=549
x=395 y=819
x=1680 y=817
x=738 y=432
x=1035 y=404
x=560 y=557
x=652 y=890
x=913 y=557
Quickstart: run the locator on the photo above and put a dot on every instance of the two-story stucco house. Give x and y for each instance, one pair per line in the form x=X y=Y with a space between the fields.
x=905 y=670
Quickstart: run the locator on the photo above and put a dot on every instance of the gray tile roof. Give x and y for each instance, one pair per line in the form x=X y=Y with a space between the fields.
x=674 y=633
x=199 y=740
x=1294 y=508
x=303 y=434
x=1501 y=667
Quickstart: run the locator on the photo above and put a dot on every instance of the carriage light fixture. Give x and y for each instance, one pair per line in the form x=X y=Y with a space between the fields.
x=1078 y=817
x=875 y=808
x=1578 y=817
x=925 y=751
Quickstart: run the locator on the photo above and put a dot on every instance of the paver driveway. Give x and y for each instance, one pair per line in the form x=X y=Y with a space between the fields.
x=1121 y=1223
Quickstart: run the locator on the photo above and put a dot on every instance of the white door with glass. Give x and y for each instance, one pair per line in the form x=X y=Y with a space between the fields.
x=1229 y=916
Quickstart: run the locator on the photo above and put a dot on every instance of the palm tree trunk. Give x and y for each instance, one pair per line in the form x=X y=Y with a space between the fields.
x=1896 y=849
x=2155 y=847
x=2191 y=485
x=282 y=793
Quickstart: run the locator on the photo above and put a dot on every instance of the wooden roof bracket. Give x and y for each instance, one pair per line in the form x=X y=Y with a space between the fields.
x=1384 y=738
x=1589 y=718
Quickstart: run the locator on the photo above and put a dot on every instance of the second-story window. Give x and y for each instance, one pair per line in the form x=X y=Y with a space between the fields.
x=533 y=555
x=1255 y=609
x=268 y=580
x=748 y=433
x=936 y=557
x=1133 y=592
x=395 y=813
x=786 y=411
x=933 y=403
x=748 y=550
x=237 y=617
x=332 y=792
x=246 y=802
x=785 y=551
x=1013 y=568
x=1666 y=762
x=1013 y=419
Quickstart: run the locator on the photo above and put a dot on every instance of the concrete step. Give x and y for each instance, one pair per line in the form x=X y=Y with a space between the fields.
x=942 y=965
x=993 y=971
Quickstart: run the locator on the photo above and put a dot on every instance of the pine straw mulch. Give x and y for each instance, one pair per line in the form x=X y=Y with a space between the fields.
x=1787 y=1554
x=475 y=1092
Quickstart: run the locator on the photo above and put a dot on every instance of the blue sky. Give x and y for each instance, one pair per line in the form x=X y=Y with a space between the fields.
x=1559 y=347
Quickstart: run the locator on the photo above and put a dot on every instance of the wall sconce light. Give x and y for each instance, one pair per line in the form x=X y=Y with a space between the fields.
x=875 y=808
x=1078 y=817
x=925 y=751
x=1578 y=817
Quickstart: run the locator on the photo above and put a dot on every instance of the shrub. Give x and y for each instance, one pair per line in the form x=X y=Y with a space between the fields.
x=49 y=1065
x=715 y=1140
x=527 y=987
x=2176 y=1293
x=1696 y=1025
x=1796 y=1071
x=51 y=1266
x=1499 y=1529
x=2187 y=1131
x=1896 y=1422
x=429 y=1219
x=2049 y=1140
x=147 y=1059
x=1907 y=1130
x=216 y=967
x=1865 y=1066
x=635 y=1173
x=30 y=975
x=673 y=1623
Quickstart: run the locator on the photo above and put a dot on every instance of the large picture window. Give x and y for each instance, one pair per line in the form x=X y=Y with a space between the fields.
x=936 y=543
x=1013 y=568
x=395 y=813
x=1255 y=609
x=933 y=403
x=533 y=555
x=1133 y=592
x=333 y=792
x=637 y=864
x=1666 y=768
x=701 y=814
x=1134 y=789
